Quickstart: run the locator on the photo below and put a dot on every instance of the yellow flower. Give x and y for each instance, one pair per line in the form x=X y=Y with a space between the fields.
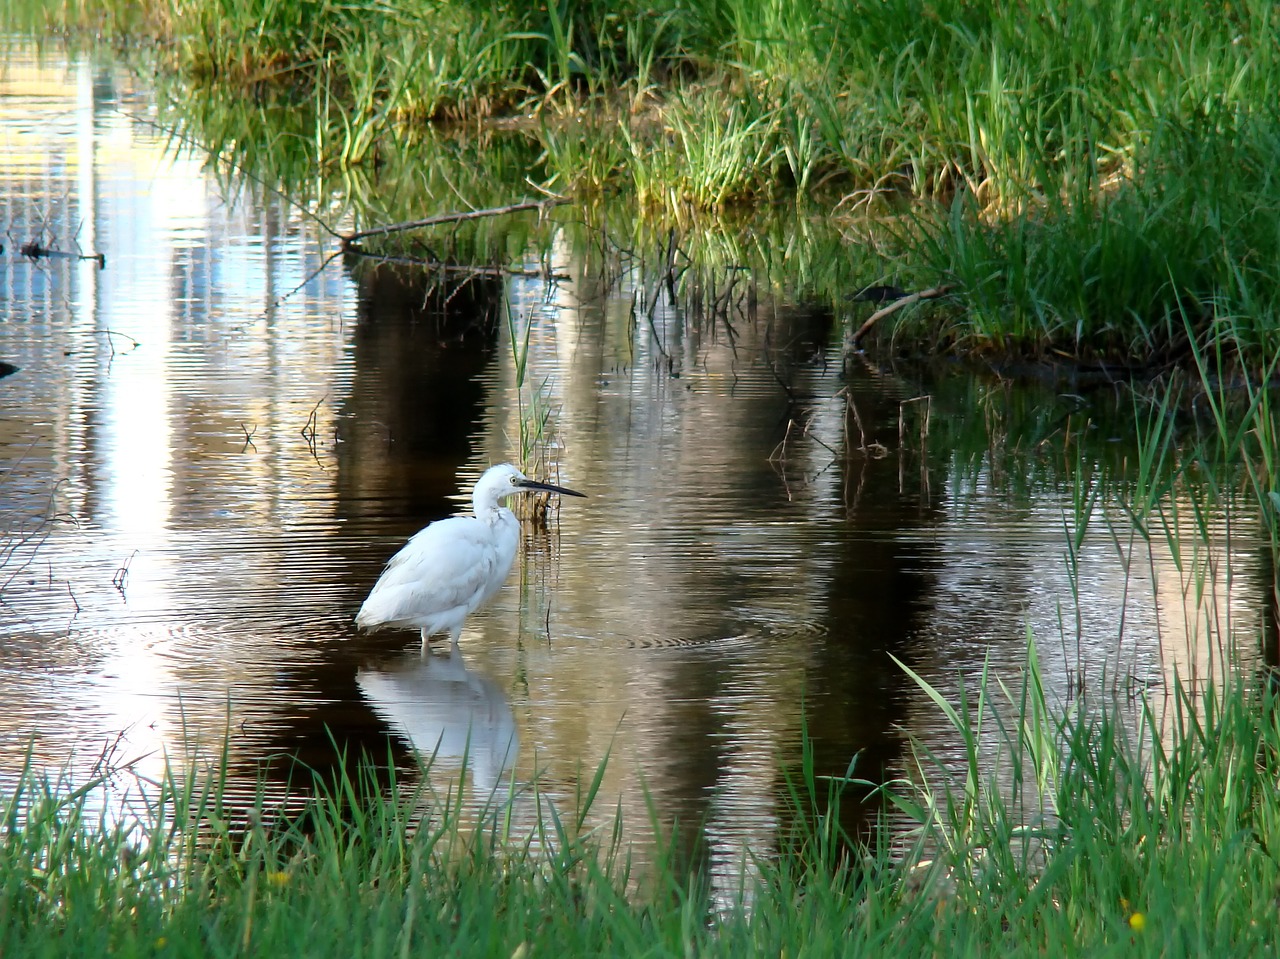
x=278 y=879
x=1137 y=922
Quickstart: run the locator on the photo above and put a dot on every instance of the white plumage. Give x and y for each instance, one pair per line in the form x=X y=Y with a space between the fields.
x=457 y=718
x=454 y=566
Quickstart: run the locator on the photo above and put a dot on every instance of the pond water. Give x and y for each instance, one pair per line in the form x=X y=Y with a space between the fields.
x=216 y=438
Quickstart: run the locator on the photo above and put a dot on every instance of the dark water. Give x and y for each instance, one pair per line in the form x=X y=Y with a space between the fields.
x=214 y=443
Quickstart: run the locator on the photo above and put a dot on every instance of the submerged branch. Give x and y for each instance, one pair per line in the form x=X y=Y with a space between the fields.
x=540 y=205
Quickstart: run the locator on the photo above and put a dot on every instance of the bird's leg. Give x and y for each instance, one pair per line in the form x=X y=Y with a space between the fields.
x=426 y=642
x=453 y=635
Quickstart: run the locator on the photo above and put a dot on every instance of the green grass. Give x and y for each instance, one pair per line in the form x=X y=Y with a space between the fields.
x=1095 y=176
x=1100 y=827
x=1091 y=828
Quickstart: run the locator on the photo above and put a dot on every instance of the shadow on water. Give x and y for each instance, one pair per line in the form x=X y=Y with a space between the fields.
x=212 y=446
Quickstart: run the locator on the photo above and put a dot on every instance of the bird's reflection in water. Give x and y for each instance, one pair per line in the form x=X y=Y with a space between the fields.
x=450 y=715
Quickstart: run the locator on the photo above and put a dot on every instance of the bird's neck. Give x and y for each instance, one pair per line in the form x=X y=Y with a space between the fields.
x=494 y=515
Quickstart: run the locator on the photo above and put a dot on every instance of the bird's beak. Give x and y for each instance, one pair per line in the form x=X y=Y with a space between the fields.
x=535 y=485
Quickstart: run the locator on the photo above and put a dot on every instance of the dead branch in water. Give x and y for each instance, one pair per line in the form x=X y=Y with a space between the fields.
x=880 y=314
x=540 y=205
x=34 y=251
x=438 y=266
x=875 y=449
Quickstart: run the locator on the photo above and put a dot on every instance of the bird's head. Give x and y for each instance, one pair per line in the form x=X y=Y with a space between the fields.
x=499 y=482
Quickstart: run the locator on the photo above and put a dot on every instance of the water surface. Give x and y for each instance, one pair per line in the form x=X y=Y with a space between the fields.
x=214 y=442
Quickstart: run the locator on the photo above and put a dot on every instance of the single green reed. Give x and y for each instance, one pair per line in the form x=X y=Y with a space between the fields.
x=534 y=411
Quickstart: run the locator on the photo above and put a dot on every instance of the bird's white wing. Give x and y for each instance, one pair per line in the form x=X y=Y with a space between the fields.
x=447 y=566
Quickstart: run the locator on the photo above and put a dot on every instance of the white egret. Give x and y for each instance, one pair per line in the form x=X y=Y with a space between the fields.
x=452 y=567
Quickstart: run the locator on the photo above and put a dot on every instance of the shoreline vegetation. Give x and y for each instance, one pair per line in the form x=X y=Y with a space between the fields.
x=1093 y=179
x=1099 y=833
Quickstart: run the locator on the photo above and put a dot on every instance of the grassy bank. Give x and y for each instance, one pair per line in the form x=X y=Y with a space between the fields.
x=1094 y=176
x=1095 y=834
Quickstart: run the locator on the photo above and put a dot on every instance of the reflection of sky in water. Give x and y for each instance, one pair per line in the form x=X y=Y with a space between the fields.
x=253 y=461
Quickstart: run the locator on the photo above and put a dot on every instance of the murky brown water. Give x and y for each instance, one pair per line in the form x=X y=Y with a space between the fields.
x=210 y=450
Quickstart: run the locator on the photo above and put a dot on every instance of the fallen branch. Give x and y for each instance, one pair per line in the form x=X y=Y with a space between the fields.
x=880 y=314
x=33 y=250
x=440 y=267
x=540 y=205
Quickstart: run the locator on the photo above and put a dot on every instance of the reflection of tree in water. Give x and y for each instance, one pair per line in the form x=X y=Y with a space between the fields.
x=876 y=603
x=755 y=594
x=417 y=399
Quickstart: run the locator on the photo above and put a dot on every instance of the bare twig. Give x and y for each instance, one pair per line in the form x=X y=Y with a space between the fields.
x=34 y=251
x=309 y=430
x=403 y=259
x=30 y=538
x=540 y=205
x=930 y=294
x=653 y=329
x=809 y=433
x=927 y=400
x=779 y=454
x=768 y=360
x=874 y=449
x=121 y=578
x=111 y=343
x=311 y=276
